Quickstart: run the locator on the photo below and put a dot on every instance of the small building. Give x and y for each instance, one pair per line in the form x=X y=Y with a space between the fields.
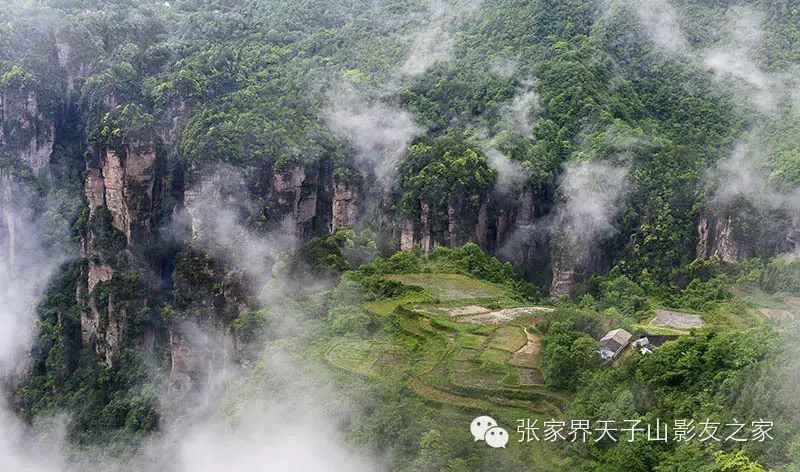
x=612 y=344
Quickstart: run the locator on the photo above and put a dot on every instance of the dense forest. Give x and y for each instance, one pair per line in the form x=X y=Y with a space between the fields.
x=326 y=235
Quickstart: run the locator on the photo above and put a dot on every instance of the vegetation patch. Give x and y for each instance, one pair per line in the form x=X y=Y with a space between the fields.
x=508 y=338
x=451 y=286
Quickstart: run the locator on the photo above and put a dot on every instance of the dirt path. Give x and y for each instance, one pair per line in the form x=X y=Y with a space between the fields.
x=532 y=347
x=526 y=355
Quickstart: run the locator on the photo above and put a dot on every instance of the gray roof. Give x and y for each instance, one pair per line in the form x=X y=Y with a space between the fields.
x=615 y=339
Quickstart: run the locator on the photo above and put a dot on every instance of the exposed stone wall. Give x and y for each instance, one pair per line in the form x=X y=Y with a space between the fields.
x=718 y=239
x=345 y=206
x=123 y=183
x=125 y=186
x=26 y=129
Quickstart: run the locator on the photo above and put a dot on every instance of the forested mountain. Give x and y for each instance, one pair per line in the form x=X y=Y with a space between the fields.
x=262 y=234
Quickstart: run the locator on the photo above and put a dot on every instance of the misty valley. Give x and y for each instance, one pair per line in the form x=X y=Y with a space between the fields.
x=378 y=235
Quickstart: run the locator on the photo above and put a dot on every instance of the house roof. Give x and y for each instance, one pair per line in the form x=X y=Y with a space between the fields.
x=615 y=339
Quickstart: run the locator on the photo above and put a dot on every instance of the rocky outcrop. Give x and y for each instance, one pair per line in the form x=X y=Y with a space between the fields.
x=452 y=225
x=499 y=225
x=207 y=295
x=295 y=193
x=191 y=358
x=564 y=278
x=717 y=239
x=75 y=69
x=120 y=191
x=575 y=256
x=407 y=237
x=518 y=242
x=27 y=131
x=426 y=238
x=345 y=206
x=569 y=256
x=793 y=238
x=124 y=184
x=482 y=227
x=8 y=221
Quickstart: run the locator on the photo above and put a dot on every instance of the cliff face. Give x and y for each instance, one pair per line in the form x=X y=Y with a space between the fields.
x=571 y=256
x=8 y=221
x=120 y=191
x=124 y=185
x=298 y=205
x=718 y=239
x=27 y=136
x=504 y=225
x=793 y=237
x=345 y=206
x=26 y=129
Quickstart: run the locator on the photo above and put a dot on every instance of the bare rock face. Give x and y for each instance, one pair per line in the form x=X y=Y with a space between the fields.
x=298 y=202
x=482 y=226
x=222 y=191
x=75 y=69
x=426 y=238
x=407 y=234
x=515 y=234
x=8 y=221
x=191 y=358
x=198 y=351
x=124 y=185
x=717 y=239
x=793 y=238
x=564 y=278
x=26 y=129
x=452 y=225
x=569 y=261
x=574 y=256
x=98 y=269
x=119 y=189
x=345 y=206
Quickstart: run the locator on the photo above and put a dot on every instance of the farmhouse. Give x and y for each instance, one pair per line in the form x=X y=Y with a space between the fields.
x=613 y=343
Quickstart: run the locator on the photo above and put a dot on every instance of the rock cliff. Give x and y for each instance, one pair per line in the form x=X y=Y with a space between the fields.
x=26 y=129
x=120 y=193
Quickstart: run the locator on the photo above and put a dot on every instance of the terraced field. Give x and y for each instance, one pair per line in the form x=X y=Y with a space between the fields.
x=450 y=357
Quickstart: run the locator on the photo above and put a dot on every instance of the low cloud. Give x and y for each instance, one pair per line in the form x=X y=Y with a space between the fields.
x=510 y=174
x=520 y=111
x=380 y=133
x=433 y=43
x=661 y=23
x=592 y=194
x=733 y=57
x=745 y=173
x=282 y=416
x=26 y=265
x=368 y=119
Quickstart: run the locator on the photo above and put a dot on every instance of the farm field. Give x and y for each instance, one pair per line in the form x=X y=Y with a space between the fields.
x=448 y=356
